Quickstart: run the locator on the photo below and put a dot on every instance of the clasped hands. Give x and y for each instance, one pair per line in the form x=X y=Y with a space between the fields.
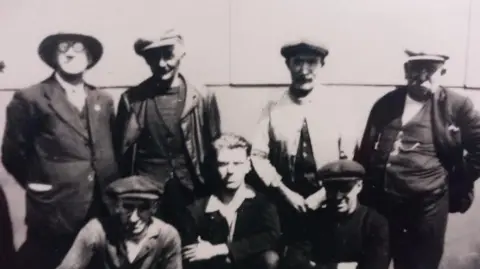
x=302 y=205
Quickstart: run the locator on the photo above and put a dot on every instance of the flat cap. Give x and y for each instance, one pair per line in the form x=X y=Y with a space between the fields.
x=341 y=170
x=134 y=187
x=304 y=46
x=423 y=56
x=167 y=38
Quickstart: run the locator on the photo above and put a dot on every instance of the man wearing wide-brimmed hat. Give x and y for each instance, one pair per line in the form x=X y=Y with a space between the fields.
x=58 y=146
x=413 y=151
x=294 y=138
x=166 y=125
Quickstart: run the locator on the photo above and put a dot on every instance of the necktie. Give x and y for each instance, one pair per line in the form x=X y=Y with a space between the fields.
x=305 y=167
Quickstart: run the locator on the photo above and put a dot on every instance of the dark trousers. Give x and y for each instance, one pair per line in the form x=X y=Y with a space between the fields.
x=266 y=260
x=175 y=200
x=43 y=251
x=7 y=249
x=417 y=230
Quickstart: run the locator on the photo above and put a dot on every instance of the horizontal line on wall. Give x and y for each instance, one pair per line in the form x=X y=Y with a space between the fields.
x=278 y=85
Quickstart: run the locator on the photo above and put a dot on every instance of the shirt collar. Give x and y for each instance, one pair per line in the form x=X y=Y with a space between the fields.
x=68 y=86
x=310 y=98
x=214 y=204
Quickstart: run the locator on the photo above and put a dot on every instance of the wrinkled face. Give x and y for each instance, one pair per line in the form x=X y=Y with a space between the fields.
x=135 y=215
x=164 y=61
x=423 y=76
x=303 y=70
x=72 y=57
x=233 y=166
x=342 y=196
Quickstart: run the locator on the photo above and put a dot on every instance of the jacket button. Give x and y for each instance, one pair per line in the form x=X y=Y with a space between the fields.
x=90 y=177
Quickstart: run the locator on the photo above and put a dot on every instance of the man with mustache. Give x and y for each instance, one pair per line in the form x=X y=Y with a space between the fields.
x=165 y=126
x=413 y=151
x=58 y=146
x=294 y=137
x=345 y=233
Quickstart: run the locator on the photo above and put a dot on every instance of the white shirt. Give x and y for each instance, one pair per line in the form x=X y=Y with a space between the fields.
x=327 y=125
x=229 y=211
x=411 y=108
x=76 y=94
x=133 y=248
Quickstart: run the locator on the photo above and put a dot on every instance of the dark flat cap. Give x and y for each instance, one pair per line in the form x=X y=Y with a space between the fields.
x=304 y=46
x=48 y=47
x=134 y=187
x=423 y=56
x=168 y=38
x=341 y=170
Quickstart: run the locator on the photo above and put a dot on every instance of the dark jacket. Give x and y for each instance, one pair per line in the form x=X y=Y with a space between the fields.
x=46 y=142
x=200 y=124
x=328 y=240
x=456 y=128
x=257 y=228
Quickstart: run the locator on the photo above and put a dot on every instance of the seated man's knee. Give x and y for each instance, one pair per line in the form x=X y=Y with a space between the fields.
x=270 y=259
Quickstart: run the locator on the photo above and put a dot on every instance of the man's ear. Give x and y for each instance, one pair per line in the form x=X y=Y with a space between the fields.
x=443 y=71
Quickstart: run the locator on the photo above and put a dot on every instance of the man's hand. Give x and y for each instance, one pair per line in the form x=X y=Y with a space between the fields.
x=316 y=200
x=203 y=250
x=347 y=265
x=297 y=201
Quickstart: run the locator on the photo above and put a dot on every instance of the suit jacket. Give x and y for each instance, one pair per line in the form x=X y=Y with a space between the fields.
x=257 y=228
x=200 y=125
x=46 y=142
x=455 y=126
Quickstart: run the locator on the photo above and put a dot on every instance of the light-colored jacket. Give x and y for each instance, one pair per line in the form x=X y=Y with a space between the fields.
x=278 y=133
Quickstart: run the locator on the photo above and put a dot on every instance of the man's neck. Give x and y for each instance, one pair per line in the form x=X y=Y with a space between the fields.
x=299 y=94
x=138 y=237
x=74 y=80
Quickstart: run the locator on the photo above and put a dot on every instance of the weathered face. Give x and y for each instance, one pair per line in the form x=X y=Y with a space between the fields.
x=72 y=57
x=135 y=215
x=233 y=166
x=165 y=61
x=303 y=70
x=423 y=76
x=342 y=196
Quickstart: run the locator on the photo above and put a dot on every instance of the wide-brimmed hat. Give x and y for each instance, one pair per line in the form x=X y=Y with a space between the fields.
x=47 y=47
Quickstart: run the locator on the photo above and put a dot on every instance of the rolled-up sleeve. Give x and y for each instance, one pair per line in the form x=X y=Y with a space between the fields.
x=261 y=149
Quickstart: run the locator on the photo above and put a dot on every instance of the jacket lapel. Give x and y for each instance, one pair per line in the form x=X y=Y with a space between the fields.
x=191 y=98
x=59 y=103
x=94 y=110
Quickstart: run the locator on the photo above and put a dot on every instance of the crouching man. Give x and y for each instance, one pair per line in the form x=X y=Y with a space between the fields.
x=344 y=233
x=130 y=237
x=234 y=227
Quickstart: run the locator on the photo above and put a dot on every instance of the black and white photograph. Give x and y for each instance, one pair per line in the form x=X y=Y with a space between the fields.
x=239 y=134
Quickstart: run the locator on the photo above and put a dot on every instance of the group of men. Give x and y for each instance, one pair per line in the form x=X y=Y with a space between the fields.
x=156 y=184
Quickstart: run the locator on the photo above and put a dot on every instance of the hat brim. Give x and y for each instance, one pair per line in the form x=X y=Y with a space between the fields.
x=48 y=46
x=303 y=48
x=138 y=195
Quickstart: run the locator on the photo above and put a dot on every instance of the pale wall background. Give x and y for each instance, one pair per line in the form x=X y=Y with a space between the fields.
x=233 y=47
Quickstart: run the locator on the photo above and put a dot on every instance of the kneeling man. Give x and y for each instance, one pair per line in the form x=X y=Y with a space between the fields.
x=235 y=227
x=130 y=237
x=344 y=233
